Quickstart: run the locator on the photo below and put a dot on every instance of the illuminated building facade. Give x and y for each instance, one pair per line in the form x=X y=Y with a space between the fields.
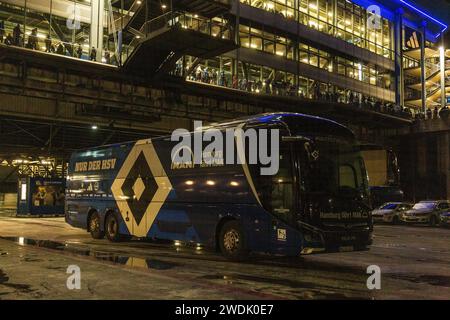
x=377 y=54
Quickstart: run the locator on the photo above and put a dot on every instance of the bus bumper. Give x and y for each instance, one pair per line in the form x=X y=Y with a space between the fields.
x=332 y=241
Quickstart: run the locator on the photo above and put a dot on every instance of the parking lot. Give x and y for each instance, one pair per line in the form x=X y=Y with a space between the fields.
x=414 y=262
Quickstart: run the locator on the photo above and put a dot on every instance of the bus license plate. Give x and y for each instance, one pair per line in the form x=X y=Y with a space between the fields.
x=346 y=248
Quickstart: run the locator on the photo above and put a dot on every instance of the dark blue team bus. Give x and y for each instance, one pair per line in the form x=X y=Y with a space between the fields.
x=317 y=200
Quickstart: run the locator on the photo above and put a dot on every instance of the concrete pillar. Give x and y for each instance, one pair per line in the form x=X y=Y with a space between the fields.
x=422 y=66
x=442 y=67
x=447 y=145
x=421 y=156
x=335 y=18
x=398 y=50
x=96 y=36
x=443 y=150
x=234 y=70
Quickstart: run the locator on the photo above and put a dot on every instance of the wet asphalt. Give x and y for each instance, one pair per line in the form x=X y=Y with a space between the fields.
x=36 y=252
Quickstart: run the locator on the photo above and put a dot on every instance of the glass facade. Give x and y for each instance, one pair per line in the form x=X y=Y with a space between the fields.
x=282 y=46
x=260 y=79
x=66 y=27
x=339 y=18
x=53 y=26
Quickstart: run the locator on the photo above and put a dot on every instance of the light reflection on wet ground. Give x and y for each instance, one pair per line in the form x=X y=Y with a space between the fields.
x=414 y=263
x=259 y=274
x=130 y=261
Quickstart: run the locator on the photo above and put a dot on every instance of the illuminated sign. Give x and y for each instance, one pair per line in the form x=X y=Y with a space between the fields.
x=107 y=164
x=23 y=191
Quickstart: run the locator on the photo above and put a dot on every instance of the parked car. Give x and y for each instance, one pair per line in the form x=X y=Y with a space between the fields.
x=445 y=218
x=390 y=212
x=426 y=212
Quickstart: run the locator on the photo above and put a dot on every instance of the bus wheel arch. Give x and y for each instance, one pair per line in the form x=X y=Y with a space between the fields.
x=94 y=224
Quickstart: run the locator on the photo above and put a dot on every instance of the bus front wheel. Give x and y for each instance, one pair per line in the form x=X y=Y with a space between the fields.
x=94 y=226
x=232 y=241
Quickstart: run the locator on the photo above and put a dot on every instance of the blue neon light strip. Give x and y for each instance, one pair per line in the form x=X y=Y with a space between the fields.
x=426 y=15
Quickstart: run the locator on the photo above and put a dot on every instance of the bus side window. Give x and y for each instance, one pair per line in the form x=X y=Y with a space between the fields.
x=276 y=192
x=347 y=176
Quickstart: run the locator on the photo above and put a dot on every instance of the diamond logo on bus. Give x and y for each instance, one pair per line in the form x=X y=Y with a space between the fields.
x=141 y=188
x=138 y=188
x=139 y=192
x=315 y=154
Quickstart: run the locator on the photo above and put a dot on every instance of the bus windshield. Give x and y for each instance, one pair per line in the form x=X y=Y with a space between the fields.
x=339 y=170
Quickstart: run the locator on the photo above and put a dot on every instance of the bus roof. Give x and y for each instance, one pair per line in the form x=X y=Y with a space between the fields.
x=297 y=123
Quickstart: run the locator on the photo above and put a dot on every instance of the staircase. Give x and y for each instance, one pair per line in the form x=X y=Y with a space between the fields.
x=413 y=92
x=153 y=45
x=133 y=14
x=162 y=41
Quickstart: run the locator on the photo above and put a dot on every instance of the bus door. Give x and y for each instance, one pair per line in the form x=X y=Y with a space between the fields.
x=281 y=200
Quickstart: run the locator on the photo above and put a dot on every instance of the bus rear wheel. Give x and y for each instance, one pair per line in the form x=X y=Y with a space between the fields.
x=232 y=241
x=94 y=226
x=112 y=228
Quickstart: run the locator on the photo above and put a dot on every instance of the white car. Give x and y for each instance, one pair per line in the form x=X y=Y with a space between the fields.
x=428 y=212
x=390 y=212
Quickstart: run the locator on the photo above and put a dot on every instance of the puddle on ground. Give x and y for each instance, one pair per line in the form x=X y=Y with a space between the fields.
x=4 y=281
x=311 y=291
x=135 y=262
x=434 y=280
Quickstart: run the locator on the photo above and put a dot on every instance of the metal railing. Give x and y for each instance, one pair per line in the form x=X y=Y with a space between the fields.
x=79 y=50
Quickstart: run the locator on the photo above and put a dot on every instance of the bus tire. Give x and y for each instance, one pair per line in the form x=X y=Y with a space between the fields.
x=94 y=226
x=112 y=228
x=232 y=241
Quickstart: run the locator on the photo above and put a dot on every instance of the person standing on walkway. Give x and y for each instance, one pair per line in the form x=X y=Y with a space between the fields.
x=16 y=35
x=107 y=57
x=79 y=51
x=93 y=56
x=48 y=43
